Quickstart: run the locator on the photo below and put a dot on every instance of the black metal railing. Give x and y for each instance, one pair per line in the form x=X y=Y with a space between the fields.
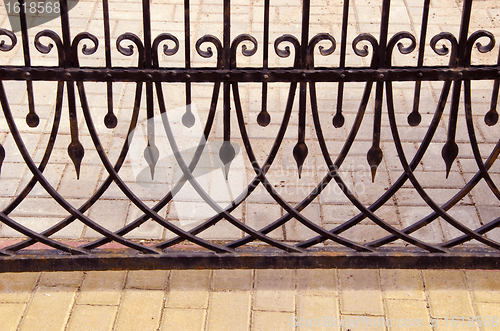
x=327 y=246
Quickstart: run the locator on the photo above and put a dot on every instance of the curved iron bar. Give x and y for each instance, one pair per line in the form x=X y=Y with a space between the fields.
x=262 y=175
x=53 y=134
x=334 y=173
x=163 y=202
x=208 y=200
x=41 y=179
x=420 y=152
x=124 y=188
x=267 y=185
x=341 y=157
x=477 y=177
x=13 y=40
x=448 y=205
x=443 y=51
x=416 y=184
x=102 y=188
x=468 y=107
x=189 y=176
x=272 y=154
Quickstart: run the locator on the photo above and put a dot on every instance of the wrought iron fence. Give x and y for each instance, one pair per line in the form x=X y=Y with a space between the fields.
x=326 y=245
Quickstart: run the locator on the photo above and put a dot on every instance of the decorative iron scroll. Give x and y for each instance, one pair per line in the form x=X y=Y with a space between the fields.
x=257 y=248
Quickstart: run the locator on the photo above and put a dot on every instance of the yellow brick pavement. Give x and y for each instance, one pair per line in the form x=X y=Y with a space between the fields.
x=251 y=300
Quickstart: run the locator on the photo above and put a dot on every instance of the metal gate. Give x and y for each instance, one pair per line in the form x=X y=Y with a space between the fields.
x=324 y=239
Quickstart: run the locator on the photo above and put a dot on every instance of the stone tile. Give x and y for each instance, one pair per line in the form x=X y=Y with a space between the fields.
x=274 y=290
x=402 y=284
x=317 y=281
x=188 y=289
x=260 y=215
x=485 y=285
x=98 y=318
x=444 y=287
x=317 y=312
x=102 y=287
x=489 y=310
x=232 y=280
x=277 y=321
x=360 y=322
x=360 y=292
x=11 y=314
x=50 y=307
x=147 y=279
x=140 y=309
x=17 y=287
x=408 y=315
x=71 y=279
x=183 y=319
x=229 y=311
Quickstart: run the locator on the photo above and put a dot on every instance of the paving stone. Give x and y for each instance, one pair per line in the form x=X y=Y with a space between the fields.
x=317 y=312
x=11 y=314
x=317 y=281
x=279 y=321
x=50 y=307
x=147 y=279
x=230 y=280
x=484 y=285
x=140 y=309
x=85 y=317
x=408 y=315
x=274 y=290
x=17 y=287
x=72 y=279
x=360 y=292
x=102 y=288
x=188 y=289
x=402 y=284
x=444 y=287
x=229 y=311
x=184 y=319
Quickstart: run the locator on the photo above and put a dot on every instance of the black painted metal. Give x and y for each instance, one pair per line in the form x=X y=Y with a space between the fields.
x=226 y=74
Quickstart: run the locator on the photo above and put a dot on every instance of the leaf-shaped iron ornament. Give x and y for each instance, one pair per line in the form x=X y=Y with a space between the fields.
x=151 y=155
x=75 y=148
x=300 y=152
x=227 y=154
x=2 y=156
x=76 y=153
x=450 y=148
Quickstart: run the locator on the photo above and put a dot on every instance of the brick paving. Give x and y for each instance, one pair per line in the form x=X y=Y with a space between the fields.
x=250 y=299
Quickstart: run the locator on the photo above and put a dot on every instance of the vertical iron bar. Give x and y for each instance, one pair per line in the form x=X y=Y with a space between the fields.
x=338 y=120
x=300 y=150
x=415 y=118
x=32 y=118
x=75 y=148
x=110 y=119
x=450 y=148
x=151 y=152
x=263 y=119
x=226 y=64
x=374 y=156
x=188 y=118
x=227 y=152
